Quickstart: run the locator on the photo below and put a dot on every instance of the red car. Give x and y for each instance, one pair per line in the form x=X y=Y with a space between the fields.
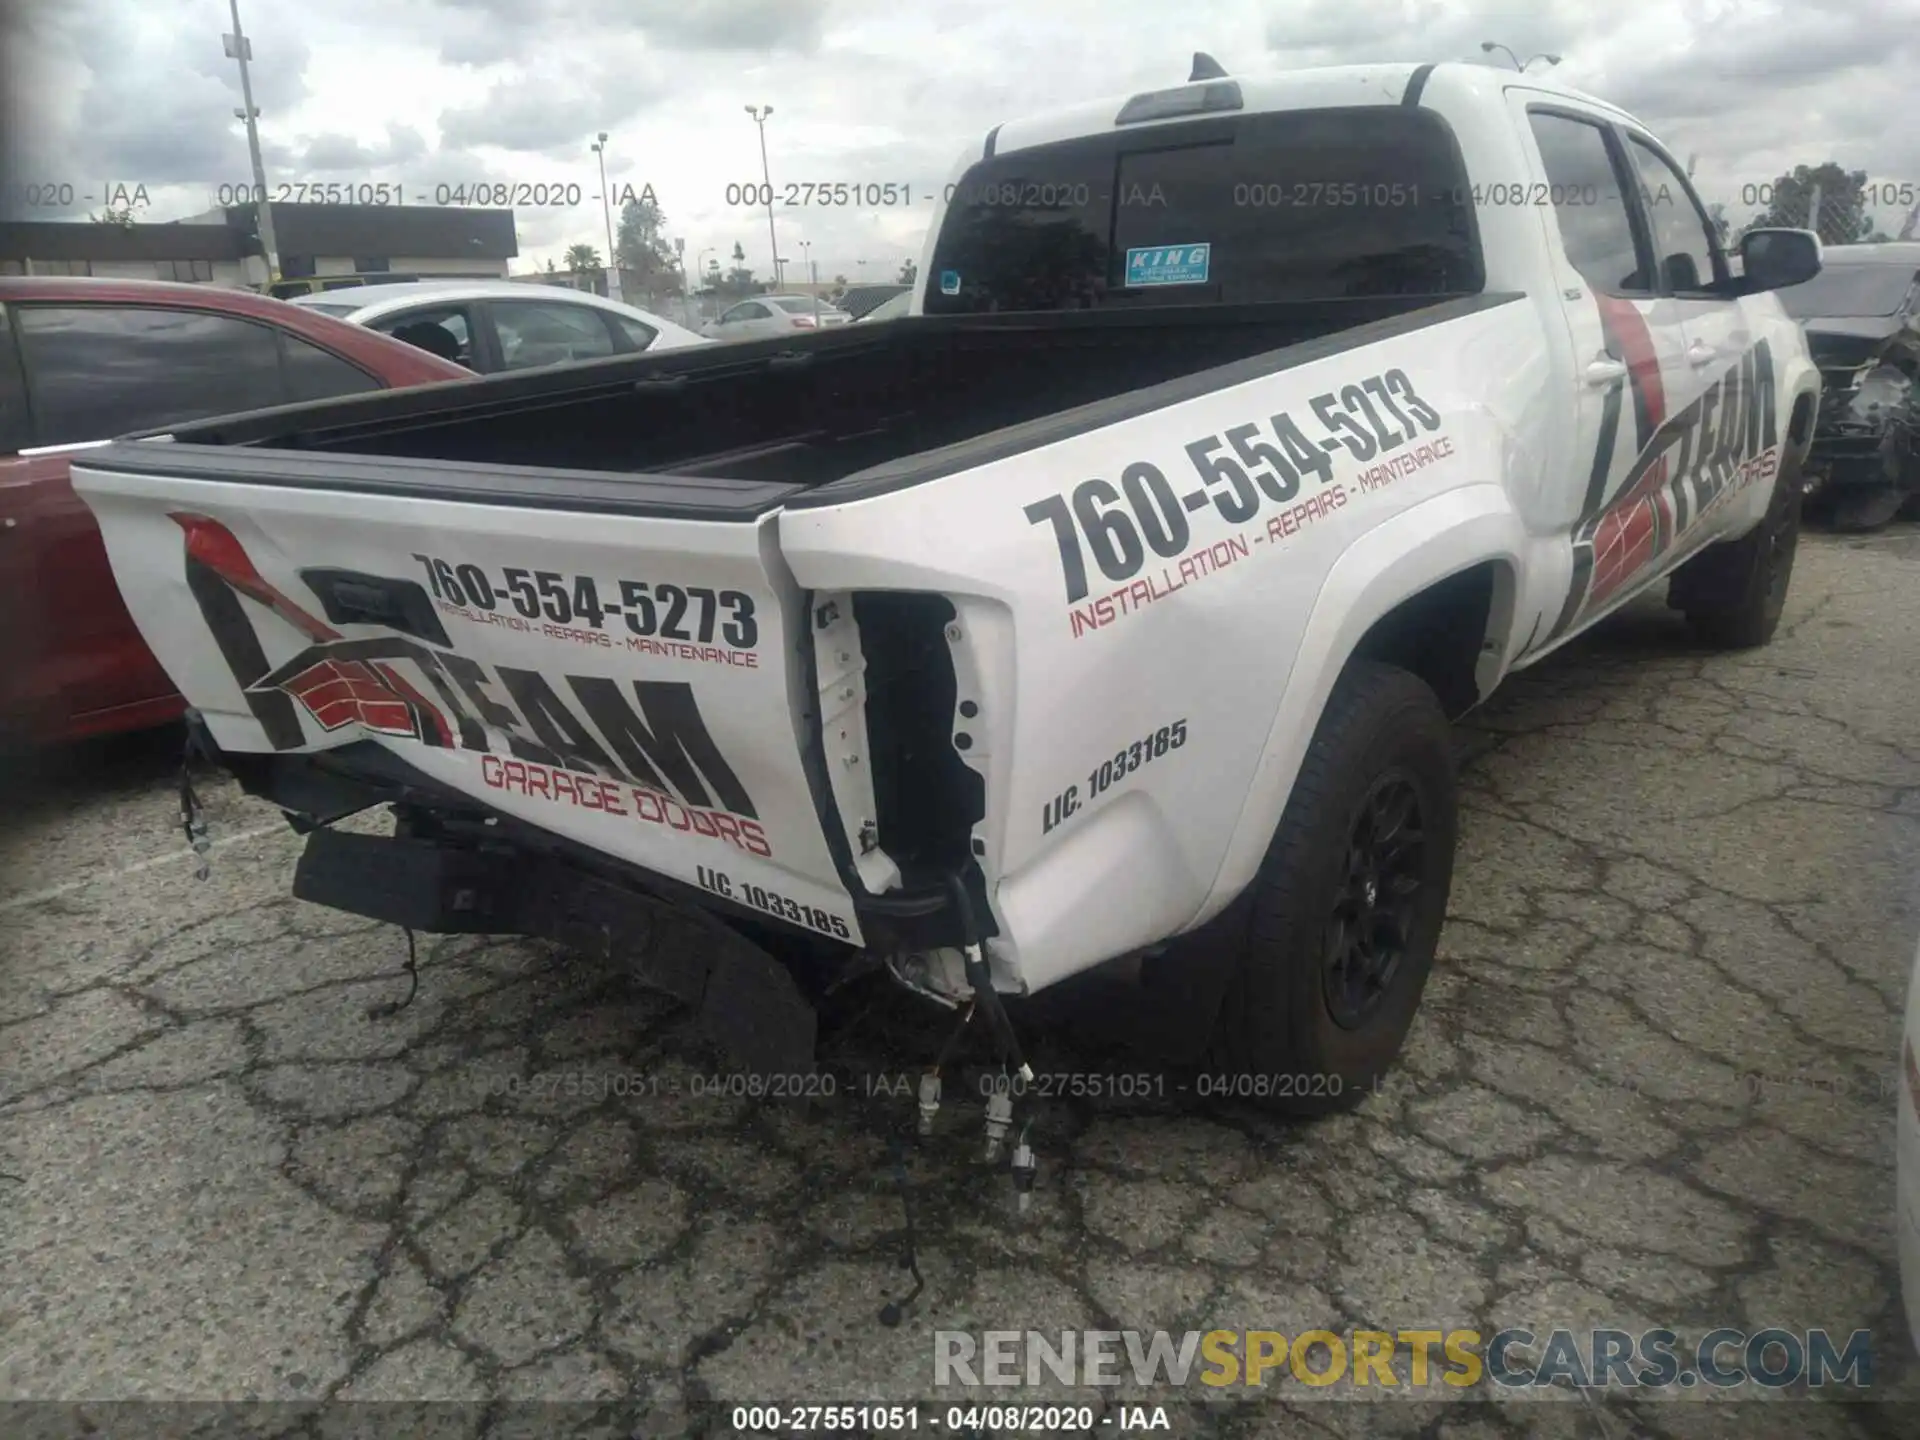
x=84 y=359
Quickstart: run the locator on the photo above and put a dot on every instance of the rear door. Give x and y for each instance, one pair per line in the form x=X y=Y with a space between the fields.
x=748 y=320
x=531 y=334
x=1729 y=371
x=631 y=335
x=1630 y=364
x=472 y=343
x=24 y=692
x=93 y=371
x=612 y=664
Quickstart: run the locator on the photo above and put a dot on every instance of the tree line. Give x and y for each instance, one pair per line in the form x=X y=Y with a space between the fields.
x=1847 y=198
x=650 y=266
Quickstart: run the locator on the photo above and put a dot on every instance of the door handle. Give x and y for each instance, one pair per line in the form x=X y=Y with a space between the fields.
x=1701 y=354
x=1604 y=370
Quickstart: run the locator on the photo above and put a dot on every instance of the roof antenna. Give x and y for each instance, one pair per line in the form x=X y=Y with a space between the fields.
x=1205 y=67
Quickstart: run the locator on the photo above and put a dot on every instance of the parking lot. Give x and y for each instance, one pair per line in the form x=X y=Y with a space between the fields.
x=1651 y=1084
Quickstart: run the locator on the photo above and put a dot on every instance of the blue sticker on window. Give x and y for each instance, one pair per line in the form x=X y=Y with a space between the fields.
x=949 y=282
x=1168 y=265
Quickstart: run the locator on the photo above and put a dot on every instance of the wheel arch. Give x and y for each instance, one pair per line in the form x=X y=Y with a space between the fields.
x=1801 y=417
x=1433 y=589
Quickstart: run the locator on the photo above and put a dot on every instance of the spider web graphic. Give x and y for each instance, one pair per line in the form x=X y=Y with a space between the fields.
x=345 y=692
x=345 y=682
x=1631 y=533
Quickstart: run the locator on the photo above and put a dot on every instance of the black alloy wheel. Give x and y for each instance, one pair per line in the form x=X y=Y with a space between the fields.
x=1375 y=912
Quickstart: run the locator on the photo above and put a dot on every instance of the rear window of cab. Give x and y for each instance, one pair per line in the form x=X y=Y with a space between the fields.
x=1247 y=209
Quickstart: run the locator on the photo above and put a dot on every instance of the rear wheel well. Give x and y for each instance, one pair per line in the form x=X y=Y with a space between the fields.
x=1800 y=425
x=1438 y=634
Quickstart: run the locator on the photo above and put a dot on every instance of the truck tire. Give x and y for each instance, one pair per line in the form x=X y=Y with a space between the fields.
x=1865 y=508
x=1338 y=936
x=1734 y=593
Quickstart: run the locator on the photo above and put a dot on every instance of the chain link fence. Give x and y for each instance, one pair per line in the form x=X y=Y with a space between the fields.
x=1857 y=210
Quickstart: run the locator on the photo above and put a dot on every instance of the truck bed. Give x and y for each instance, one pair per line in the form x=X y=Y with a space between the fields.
x=794 y=414
x=780 y=662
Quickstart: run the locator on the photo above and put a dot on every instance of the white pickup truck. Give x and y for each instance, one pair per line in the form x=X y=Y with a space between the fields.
x=1110 y=607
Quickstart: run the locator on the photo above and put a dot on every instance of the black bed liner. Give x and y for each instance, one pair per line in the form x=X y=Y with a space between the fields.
x=817 y=420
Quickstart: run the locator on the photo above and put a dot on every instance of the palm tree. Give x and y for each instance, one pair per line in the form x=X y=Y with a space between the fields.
x=582 y=258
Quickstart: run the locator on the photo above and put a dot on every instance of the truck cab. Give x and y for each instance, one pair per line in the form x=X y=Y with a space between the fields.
x=1444 y=178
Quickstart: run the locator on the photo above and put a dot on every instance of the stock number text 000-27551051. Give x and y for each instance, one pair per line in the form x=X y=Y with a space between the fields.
x=1371 y=416
x=672 y=612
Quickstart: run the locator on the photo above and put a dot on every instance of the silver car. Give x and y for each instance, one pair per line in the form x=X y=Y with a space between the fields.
x=766 y=315
x=496 y=325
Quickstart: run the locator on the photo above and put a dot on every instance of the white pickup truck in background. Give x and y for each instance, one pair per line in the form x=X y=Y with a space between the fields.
x=1111 y=606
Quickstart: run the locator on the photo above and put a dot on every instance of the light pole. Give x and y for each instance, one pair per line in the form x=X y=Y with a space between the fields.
x=700 y=264
x=1489 y=46
x=760 y=114
x=599 y=148
x=813 y=279
x=238 y=47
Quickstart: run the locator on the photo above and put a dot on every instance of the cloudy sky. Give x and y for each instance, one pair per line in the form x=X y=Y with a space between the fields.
x=434 y=93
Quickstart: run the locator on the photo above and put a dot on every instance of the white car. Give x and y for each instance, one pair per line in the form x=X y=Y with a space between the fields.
x=766 y=315
x=1907 y=1191
x=495 y=325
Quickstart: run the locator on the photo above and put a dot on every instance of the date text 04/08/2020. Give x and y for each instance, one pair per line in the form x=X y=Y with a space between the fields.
x=1156 y=1084
x=665 y=1085
x=881 y=1419
x=887 y=194
x=552 y=194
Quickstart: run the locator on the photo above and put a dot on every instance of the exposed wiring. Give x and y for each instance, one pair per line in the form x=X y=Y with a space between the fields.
x=394 y=1007
x=894 y=1311
x=982 y=977
x=930 y=1080
x=193 y=819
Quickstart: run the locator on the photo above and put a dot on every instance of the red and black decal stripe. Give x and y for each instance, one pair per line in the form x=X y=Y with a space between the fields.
x=1612 y=538
x=1684 y=466
x=219 y=571
x=1629 y=339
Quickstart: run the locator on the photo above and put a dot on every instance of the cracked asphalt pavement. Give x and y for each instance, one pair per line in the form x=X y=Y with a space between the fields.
x=1651 y=1083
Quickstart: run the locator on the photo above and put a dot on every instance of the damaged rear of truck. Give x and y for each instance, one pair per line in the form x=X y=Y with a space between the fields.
x=1112 y=609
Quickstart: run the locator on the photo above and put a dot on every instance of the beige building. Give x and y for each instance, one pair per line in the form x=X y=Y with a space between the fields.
x=222 y=247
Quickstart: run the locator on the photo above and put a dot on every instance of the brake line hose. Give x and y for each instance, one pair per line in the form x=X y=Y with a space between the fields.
x=974 y=953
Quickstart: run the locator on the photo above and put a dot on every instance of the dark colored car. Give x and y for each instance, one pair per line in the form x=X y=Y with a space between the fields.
x=85 y=360
x=1862 y=318
x=859 y=301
